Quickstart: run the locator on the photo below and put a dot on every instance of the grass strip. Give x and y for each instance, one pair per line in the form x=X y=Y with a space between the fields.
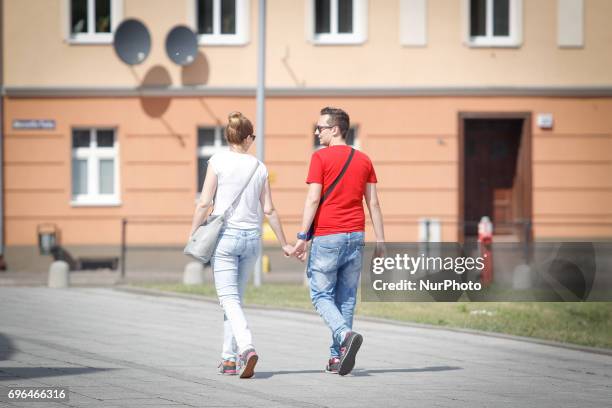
x=587 y=324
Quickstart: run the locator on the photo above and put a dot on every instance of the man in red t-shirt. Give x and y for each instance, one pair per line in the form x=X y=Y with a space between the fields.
x=334 y=264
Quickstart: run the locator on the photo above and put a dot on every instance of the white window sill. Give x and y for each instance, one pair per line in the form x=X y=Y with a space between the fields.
x=93 y=39
x=485 y=42
x=221 y=40
x=96 y=203
x=338 y=39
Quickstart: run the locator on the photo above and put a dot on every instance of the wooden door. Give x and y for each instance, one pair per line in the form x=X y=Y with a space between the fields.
x=490 y=169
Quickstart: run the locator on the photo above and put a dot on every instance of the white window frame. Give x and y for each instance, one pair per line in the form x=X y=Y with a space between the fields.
x=243 y=20
x=515 y=25
x=91 y=37
x=360 y=24
x=208 y=151
x=93 y=155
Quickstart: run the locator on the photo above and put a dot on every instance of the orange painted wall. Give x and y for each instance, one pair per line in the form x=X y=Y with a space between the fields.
x=412 y=141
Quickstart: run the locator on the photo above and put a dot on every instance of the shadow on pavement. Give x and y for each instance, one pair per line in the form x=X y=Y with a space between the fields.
x=22 y=373
x=16 y=373
x=262 y=375
x=364 y=373
x=6 y=347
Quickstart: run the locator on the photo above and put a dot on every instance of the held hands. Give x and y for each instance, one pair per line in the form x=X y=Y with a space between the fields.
x=288 y=250
x=299 y=250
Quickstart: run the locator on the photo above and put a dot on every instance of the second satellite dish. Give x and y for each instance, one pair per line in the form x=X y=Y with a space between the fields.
x=132 y=42
x=181 y=45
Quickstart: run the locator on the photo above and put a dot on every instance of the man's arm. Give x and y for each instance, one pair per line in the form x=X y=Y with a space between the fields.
x=310 y=209
x=310 y=206
x=371 y=197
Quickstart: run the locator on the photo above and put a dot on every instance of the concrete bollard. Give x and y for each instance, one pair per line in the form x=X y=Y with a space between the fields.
x=521 y=278
x=193 y=274
x=59 y=275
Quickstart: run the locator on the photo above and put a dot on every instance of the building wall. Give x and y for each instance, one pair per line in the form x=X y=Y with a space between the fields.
x=40 y=56
x=413 y=142
x=445 y=60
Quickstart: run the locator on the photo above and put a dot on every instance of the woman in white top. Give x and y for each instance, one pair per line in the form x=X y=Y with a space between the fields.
x=238 y=245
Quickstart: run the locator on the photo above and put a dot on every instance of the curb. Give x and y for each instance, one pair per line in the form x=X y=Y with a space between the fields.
x=200 y=298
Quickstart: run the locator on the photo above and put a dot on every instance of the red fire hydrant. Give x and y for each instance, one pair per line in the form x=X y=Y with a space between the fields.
x=485 y=241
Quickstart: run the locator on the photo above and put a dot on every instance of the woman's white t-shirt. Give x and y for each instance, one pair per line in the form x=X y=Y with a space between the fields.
x=232 y=170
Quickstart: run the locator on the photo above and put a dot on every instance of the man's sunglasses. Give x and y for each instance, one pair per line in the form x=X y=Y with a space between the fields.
x=320 y=128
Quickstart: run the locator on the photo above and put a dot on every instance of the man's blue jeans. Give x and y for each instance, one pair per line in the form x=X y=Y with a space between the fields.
x=334 y=267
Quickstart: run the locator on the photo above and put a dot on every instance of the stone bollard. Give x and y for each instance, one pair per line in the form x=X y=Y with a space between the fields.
x=59 y=275
x=194 y=274
x=521 y=278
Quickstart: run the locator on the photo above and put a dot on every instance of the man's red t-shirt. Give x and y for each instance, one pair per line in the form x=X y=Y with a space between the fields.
x=342 y=210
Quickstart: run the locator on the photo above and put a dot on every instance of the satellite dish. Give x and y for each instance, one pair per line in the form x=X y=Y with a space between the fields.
x=182 y=45
x=132 y=42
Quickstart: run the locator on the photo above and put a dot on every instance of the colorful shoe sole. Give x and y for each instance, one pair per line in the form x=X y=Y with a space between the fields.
x=249 y=367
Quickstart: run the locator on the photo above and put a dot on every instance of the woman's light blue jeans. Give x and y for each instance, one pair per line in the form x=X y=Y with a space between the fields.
x=232 y=263
x=334 y=268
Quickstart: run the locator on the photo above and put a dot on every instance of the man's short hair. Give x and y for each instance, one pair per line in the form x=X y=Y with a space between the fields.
x=338 y=117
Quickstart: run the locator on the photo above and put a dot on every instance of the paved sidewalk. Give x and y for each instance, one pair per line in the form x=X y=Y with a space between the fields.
x=116 y=349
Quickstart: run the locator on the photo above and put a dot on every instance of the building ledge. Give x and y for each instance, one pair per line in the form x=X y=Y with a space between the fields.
x=197 y=91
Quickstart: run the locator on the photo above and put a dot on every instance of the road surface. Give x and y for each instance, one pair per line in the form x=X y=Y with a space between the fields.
x=118 y=349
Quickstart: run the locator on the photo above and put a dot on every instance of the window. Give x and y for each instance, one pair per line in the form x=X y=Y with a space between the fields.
x=95 y=170
x=93 y=21
x=210 y=141
x=494 y=23
x=339 y=21
x=222 y=22
x=351 y=139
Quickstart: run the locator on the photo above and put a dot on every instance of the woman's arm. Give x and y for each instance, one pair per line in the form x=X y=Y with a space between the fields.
x=274 y=218
x=206 y=200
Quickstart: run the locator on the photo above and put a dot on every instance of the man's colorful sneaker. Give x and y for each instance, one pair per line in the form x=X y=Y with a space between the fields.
x=333 y=365
x=348 y=349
